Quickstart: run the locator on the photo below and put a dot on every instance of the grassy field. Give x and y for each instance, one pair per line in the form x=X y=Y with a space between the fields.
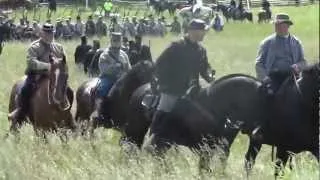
x=231 y=51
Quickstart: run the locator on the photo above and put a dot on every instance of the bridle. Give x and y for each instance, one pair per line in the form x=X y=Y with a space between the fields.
x=52 y=87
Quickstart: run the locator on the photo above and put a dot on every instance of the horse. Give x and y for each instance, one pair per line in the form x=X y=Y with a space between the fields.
x=264 y=16
x=51 y=103
x=242 y=100
x=163 y=5
x=234 y=14
x=295 y=109
x=194 y=123
x=118 y=96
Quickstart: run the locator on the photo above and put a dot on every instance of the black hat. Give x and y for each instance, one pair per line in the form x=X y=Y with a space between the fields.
x=83 y=38
x=197 y=24
x=47 y=27
x=283 y=18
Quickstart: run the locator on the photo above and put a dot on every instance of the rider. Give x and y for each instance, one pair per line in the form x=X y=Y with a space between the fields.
x=282 y=52
x=279 y=51
x=266 y=7
x=113 y=62
x=232 y=4
x=38 y=66
x=178 y=68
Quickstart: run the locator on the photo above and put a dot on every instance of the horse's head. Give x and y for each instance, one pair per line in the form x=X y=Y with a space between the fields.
x=58 y=77
x=143 y=70
x=140 y=74
x=311 y=73
x=309 y=83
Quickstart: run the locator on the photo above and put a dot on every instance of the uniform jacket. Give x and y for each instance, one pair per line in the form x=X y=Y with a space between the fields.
x=38 y=55
x=180 y=65
x=113 y=63
x=267 y=52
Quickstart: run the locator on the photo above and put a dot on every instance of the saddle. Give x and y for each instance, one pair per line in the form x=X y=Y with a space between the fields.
x=150 y=101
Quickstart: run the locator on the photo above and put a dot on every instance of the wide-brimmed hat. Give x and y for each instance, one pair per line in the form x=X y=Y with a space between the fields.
x=197 y=24
x=283 y=18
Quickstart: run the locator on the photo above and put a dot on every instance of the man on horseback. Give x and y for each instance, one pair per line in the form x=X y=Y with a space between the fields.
x=266 y=8
x=280 y=51
x=178 y=69
x=280 y=55
x=113 y=62
x=38 y=57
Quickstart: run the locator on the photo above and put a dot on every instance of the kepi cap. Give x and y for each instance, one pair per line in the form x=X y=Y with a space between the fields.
x=197 y=24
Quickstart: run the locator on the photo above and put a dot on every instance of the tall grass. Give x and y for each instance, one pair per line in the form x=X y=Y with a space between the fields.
x=230 y=51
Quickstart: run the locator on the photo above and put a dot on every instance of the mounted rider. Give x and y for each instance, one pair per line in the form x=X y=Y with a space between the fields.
x=178 y=69
x=280 y=55
x=38 y=57
x=113 y=62
x=280 y=51
x=266 y=7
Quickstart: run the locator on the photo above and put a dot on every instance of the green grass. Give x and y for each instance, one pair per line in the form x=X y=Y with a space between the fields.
x=231 y=51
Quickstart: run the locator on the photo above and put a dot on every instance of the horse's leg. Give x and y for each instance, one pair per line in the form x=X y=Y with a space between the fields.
x=251 y=155
x=228 y=137
x=282 y=158
x=204 y=161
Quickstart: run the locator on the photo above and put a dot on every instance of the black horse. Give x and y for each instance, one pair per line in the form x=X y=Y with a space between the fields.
x=264 y=16
x=120 y=94
x=197 y=121
x=234 y=14
x=294 y=120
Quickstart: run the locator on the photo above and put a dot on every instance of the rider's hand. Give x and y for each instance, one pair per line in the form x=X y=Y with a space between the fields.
x=295 y=68
x=266 y=79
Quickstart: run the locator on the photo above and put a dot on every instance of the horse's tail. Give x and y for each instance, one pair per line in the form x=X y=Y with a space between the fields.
x=13 y=96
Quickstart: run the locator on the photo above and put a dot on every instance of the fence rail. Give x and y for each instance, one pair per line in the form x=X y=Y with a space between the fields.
x=257 y=3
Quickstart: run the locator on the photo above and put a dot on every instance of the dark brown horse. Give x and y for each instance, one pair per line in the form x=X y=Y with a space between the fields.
x=51 y=103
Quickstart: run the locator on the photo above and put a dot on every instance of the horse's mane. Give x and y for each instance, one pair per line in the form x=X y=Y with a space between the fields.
x=129 y=76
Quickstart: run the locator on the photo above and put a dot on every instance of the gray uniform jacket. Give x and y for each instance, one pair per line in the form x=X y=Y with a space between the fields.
x=38 y=55
x=113 y=63
x=269 y=51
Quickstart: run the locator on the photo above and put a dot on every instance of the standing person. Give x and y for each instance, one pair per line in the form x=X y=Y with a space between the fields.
x=142 y=51
x=113 y=62
x=79 y=27
x=81 y=50
x=90 y=27
x=107 y=6
x=90 y=54
x=174 y=81
x=101 y=27
x=280 y=51
x=175 y=26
